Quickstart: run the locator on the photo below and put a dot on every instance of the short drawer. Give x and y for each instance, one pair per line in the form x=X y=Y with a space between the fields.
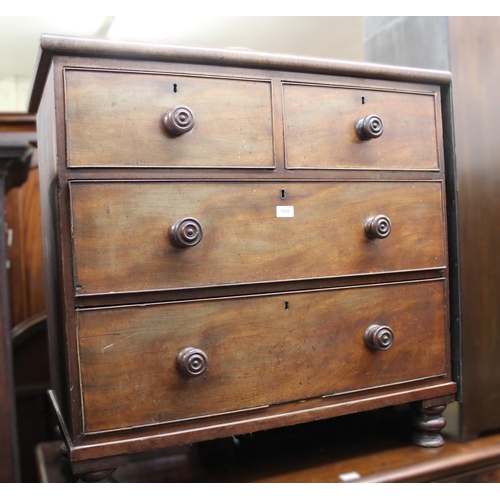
x=122 y=232
x=320 y=129
x=255 y=351
x=116 y=118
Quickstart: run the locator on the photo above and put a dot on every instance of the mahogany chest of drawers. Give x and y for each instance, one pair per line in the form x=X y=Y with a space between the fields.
x=239 y=241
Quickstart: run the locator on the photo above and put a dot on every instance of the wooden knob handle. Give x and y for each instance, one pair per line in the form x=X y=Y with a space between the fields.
x=369 y=127
x=178 y=120
x=191 y=361
x=379 y=337
x=186 y=232
x=378 y=227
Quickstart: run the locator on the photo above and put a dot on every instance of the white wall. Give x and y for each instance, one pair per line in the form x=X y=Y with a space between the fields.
x=14 y=93
x=310 y=36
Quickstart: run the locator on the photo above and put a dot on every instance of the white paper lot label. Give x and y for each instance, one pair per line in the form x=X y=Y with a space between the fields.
x=284 y=212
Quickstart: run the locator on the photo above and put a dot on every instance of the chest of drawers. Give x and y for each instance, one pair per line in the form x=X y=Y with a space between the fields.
x=240 y=241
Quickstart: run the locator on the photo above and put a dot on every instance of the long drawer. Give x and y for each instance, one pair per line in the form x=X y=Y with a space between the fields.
x=117 y=119
x=122 y=232
x=320 y=129
x=258 y=351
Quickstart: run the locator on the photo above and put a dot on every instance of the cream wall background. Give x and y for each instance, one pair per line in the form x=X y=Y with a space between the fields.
x=334 y=37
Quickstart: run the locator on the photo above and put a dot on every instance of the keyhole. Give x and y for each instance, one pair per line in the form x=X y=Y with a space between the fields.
x=287 y=305
x=362 y=99
x=175 y=87
x=283 y=194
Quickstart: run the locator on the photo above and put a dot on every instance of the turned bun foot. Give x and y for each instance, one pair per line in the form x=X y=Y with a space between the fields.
x=428 y=422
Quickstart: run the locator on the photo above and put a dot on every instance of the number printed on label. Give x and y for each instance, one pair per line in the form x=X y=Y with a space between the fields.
x=284 y=212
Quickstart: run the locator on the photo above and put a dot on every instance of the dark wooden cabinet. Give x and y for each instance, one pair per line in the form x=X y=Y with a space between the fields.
x=25 y=320
x=240 y=241
x=15 y=156
x=469 y=47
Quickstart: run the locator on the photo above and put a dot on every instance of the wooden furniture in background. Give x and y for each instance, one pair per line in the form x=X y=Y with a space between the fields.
x=35 y=419
x=26 y=290
x=369 y=447
x=23 y=218
x=241 y=241
x=469 y=47
x=15 y=155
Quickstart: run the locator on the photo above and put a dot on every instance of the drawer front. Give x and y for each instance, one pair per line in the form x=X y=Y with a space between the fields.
x=116 y=119
x=320 y=129
x=259 y=350
x=121 y=232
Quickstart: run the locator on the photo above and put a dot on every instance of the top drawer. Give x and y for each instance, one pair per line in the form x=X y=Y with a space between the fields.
x=320 y=129
x=117 y=119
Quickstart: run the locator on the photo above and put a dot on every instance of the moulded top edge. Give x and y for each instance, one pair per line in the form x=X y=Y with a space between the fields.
x=84 y=47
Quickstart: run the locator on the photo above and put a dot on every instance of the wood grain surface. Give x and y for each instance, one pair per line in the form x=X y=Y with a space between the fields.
x=115 y=118
x=26 y=274
x=320 y=129
x=475 y=60
x=369 y=447
x=469 y=47
x=121 y=244
x=279 y=305
x=261 y=350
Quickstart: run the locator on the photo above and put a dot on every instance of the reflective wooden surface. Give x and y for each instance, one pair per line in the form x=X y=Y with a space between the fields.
x=371 y=447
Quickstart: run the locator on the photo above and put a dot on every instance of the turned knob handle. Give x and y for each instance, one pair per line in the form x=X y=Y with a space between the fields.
x=191 y=361
x=185 y=232
x=378 y=227
x=369 y=127
x=379 y=337
x=178 y=120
